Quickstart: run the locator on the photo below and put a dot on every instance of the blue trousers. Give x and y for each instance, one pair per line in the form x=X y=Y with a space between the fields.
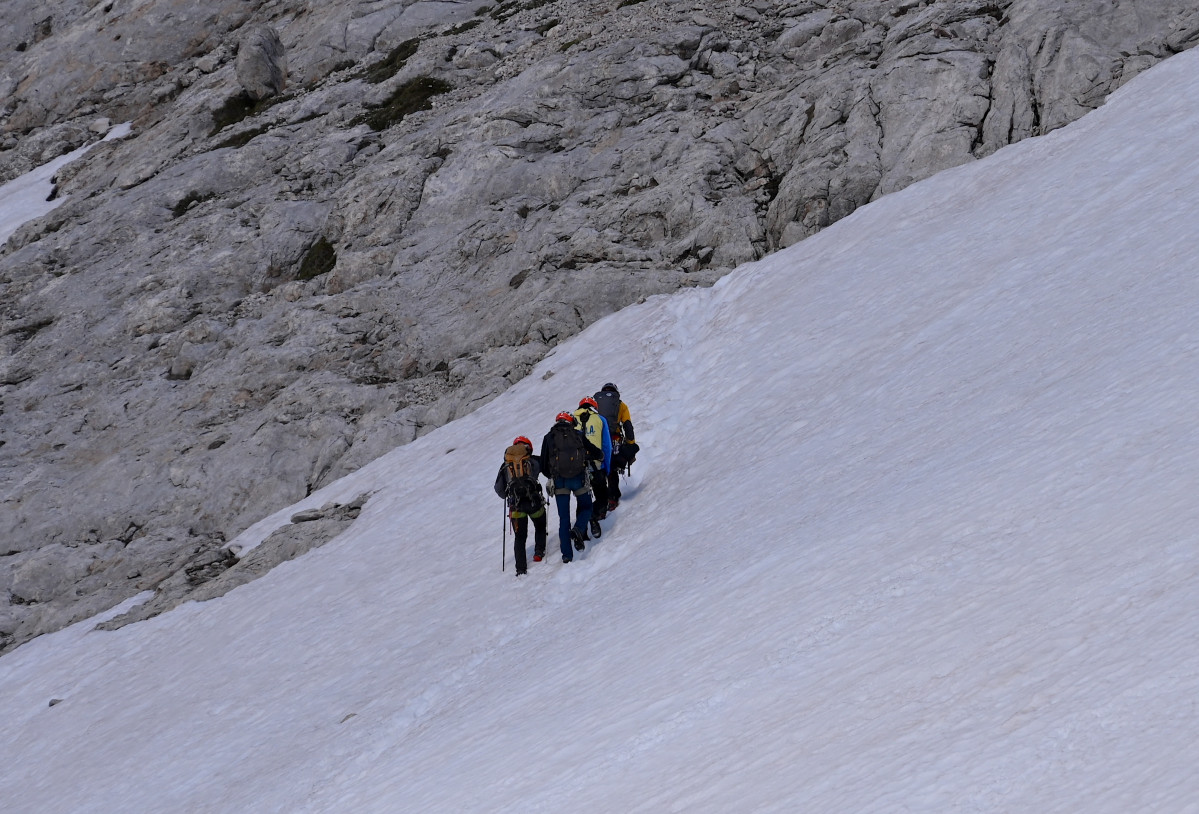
x=563 y=488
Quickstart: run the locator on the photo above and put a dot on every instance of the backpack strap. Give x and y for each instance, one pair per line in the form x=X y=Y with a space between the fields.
x=510 y=472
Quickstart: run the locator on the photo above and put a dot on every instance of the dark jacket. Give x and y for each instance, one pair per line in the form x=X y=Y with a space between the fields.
x=549 y=449
x=616 y=413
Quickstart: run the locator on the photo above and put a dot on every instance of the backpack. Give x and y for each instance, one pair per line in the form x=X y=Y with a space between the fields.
x=609 y=408
x=569 y=456
x=524 y=493
x=592 y=429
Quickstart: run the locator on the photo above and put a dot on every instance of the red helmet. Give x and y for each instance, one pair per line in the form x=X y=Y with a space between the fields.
x=567 y=417
x=520 y=439
x=589 y=402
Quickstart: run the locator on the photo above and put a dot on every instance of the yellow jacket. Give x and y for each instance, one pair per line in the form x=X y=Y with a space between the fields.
x=594 y=432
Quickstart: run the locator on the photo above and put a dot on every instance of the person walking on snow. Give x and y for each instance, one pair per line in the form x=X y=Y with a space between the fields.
x=564 y=463
x=595 y=432
x=517 y=483
x=624 y=444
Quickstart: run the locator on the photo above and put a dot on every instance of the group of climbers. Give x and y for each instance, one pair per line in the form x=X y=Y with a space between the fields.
x=583 y=455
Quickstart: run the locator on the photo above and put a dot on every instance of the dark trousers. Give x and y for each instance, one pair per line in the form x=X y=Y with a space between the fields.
x=625 y=455
x=613 y=485
x=520 y=526
x=599 y=488
x=563 y=488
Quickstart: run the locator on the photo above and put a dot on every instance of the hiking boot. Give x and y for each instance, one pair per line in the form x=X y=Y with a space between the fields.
x=596 y=531
x=538 y=557
x=612 y=504
x=521 y=573
x=565 y=561
x=579 y=537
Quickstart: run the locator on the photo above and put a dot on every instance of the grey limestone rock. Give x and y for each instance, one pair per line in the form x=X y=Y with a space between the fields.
x=263 y=289
x=261 y=63
x=215 y=572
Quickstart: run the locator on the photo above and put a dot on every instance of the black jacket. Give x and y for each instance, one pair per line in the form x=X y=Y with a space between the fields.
x=549 y=450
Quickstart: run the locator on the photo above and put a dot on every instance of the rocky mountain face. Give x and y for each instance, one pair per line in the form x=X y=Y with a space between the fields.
x=335 y=226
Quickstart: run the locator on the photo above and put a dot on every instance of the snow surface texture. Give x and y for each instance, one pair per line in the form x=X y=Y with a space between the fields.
x=25 y=198
x=914 y=529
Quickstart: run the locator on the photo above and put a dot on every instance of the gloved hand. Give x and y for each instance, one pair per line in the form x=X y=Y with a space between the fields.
x=549 y=490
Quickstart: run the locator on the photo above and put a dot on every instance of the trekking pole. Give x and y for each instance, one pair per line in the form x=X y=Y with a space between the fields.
x=504 y=541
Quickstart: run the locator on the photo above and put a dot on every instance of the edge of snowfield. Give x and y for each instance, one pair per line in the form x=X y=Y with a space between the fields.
x=27 y=197
x=914 y=529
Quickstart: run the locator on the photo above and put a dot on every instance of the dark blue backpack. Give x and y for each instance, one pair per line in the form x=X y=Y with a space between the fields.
x=609 y=408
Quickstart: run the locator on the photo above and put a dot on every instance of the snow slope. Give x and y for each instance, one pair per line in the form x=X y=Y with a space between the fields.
x=915 y=529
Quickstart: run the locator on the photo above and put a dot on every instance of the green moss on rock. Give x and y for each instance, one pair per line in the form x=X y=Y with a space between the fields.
x=186 y=202
x=408 y=98
x=319 y=259
x=239 y=107
x=390 y=65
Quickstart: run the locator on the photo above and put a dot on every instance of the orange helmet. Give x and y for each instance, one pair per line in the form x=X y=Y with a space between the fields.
x=520 y=439
x=567 y=417
x=590 y=402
